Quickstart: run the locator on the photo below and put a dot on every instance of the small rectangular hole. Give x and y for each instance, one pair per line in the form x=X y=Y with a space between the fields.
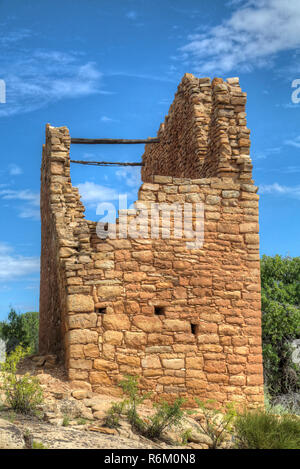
x=159 y=310
x=194 y=328
x=101 y=310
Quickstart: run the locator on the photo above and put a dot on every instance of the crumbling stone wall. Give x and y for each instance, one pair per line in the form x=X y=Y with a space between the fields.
x=205 y=133
x=188 y=321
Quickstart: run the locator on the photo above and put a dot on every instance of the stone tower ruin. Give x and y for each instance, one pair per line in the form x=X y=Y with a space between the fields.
x=186 y=320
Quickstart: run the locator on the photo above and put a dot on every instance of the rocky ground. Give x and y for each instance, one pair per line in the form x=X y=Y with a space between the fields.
x=76 y=419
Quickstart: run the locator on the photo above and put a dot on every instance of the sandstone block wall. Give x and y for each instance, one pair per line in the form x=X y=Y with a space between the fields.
x=187 y=321
x=205 y=133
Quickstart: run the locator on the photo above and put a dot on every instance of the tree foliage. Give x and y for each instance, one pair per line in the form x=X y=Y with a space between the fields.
x=23 y=392
x=280 y=278
x=20 y=329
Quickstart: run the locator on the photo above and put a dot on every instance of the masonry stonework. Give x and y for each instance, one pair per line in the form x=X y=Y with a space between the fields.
x=187 y=321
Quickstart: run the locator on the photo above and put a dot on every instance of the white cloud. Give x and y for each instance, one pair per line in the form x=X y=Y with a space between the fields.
x=142 y=76
x=108 y=119
x=276 y=188
x=35 y=78
x=252 y=37
x=293 y=143
x=291 y=169
x=262 y=155
x=30 y=202
x=15 y=170
x=89 y=156
x=14 y=36
x=131 y=176
x=131 y=15
x=16 y=267
x=93 y=194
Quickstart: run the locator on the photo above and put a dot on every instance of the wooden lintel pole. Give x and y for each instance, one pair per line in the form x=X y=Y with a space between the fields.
x=113 y=140
x=105 y=163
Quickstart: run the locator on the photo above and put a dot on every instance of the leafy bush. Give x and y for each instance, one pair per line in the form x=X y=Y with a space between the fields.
x=166 y=415
x=66 y=421
x=270 y=407
x=263 y=430
x=112 y=419
x=280 y=322
x=289 y=402
x=20 y=329
x=130 y=387
x=38 y=445
x=215 y=424
x=185 y=436
x=81 y=421
x=23 y=393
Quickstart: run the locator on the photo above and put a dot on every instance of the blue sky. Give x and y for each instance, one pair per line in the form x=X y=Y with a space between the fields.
x=110 y=68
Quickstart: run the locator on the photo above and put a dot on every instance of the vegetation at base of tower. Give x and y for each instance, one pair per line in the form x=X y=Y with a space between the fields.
x=280 y=278
x=112 y=419
x=38 y=445
x=185 y=436
x=216 y=425
x=260 y=429
x=20 y=329
x=22 y=392
x=166 y=415
x=66 y=421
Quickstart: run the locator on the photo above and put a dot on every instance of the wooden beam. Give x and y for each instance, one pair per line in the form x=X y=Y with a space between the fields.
x=90 y=141
x=105 y=163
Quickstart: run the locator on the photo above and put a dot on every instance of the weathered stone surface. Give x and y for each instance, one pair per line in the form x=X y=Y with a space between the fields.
x=151 y=361
x=177 y=325
x=82 y=336
x=99 y=377
x=135 y=339
x=104 y=365
x=113 y=337
x=116 y=322
x=173 y=363
x=11 y=437
x=109 y=291
x=80 y=303
x=82 y=321
x=147 y=323
x=80 y=393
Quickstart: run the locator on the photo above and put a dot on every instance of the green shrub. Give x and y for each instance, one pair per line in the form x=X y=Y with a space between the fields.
x=38 y=445
x=23 y=393
x=215 y=424
x=280 y=278
x=112 y=419
x=259 y=429
x=185 y=436
x=66 y=421
x=275 y=409
x=81 y=421
x=166 y=415
x=130 y=386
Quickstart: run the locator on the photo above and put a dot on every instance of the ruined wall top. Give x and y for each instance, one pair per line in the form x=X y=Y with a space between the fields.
x=205 y=133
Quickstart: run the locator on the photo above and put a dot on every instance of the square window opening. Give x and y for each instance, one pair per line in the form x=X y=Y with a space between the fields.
x=101 y=310
x=159 y=310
